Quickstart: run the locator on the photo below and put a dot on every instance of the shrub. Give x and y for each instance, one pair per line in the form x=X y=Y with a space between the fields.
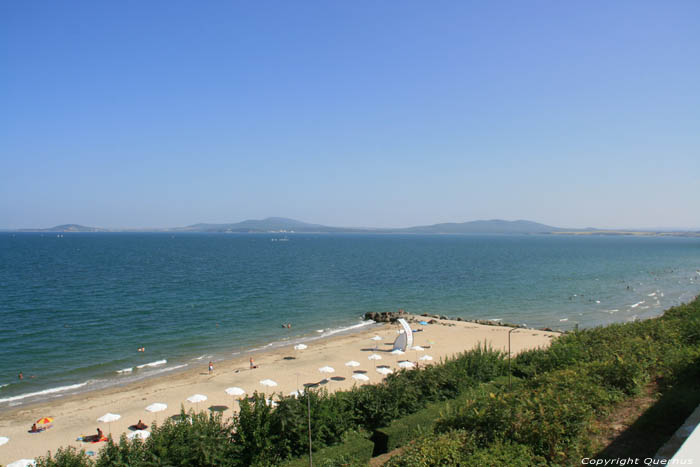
x=65 y=457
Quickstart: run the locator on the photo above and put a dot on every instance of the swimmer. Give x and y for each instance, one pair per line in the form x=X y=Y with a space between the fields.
x=20 y=375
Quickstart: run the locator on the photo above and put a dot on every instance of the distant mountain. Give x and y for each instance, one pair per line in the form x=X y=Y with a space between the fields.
x=281 y=224
x=67 y=228
x=271 y=224
x=495 y=226
x=284 y=225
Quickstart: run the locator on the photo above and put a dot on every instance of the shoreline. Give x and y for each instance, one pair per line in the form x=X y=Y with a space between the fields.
x=76 y=415
x=131 y=375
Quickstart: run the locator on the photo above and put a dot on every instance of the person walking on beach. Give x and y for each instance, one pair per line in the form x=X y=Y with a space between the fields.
x=211 y=367
x=252 y=365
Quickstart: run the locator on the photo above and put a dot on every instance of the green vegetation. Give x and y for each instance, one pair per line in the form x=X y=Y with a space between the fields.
x=462 y=411
x=549 y=416
x=356 y=450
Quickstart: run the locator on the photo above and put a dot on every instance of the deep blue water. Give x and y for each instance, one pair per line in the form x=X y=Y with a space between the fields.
x=74 y=308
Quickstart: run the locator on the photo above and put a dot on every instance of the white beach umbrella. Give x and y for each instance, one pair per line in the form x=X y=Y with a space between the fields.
x=385 y=370
x=418 y=348
x=108 y=418
x=140 y=434
x=426 y=358
x=376 y=338
x=301 y=347
x=234 y=391
x=397 y=352
x=197 y=398
x=296 y=393
x=268 y=382
x=22 y=463
x=156 y=407
x=271 y=403
x=326 y=369
x=374 y=356
x=406 y=364
x=3 y=440
x=360 y=377
x=352 y=364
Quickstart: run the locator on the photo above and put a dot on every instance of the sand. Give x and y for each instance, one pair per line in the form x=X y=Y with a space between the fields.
x=77 y=415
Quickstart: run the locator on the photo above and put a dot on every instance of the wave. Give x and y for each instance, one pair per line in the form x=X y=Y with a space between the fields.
x=165 y=370
x=347 y=328
x=152 y=364
x=47 y=391
x=125 y=370
x=636 y=304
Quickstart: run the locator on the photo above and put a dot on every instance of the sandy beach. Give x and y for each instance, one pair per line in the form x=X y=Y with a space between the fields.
x=289 y=368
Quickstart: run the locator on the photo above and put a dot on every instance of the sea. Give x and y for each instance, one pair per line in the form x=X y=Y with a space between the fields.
x=76 y=307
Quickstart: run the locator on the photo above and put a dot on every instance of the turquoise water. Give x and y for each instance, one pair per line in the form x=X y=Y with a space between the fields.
x=74 y=308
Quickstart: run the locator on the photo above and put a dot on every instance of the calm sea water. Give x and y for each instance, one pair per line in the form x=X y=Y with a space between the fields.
x=74 y=308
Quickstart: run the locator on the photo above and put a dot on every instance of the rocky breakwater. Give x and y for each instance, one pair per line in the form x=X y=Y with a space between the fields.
x=386 y=316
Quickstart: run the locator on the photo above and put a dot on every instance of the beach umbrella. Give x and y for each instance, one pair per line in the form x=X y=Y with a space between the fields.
x=376 y=338
x=268 y=382
x=296 y=393
x=406 y=364
x=108 y=418
x=22 y=463
x=157 y=407
x=374 y=356
x=360 y=377
x=418 y=348
x=385 y=370
x=397 y=352
x=327 y=369
x=234 y=391
x=352 y=364
x=300 y=347
x=140 y=434
x=196 y=399
x=45 y=422
x=3 y=440
x=271 y=403
x=426 y=358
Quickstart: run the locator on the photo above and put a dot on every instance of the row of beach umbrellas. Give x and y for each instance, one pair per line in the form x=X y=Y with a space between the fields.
x=236 y=391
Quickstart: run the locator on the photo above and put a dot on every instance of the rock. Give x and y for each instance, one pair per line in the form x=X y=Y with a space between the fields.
x=432 y=321
x=386 y=316
x=444 y=317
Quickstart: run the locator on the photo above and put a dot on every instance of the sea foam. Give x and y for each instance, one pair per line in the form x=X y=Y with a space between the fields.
x=46 y=391
x=152 y=364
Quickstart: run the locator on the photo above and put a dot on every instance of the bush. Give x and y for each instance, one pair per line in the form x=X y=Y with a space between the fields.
x=355 y=450
x=65 y=457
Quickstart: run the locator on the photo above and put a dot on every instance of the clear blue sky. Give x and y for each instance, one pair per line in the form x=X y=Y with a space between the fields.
x=358 y=113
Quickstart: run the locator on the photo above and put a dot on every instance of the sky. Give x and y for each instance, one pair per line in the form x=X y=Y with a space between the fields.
x=376 y=114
